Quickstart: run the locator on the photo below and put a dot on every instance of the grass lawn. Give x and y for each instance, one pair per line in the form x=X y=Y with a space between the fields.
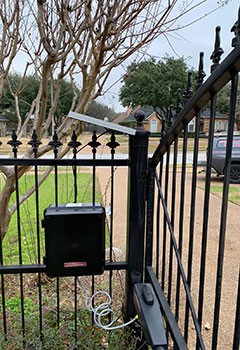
x=53 y=337
x=28 y=212
x=234 y=193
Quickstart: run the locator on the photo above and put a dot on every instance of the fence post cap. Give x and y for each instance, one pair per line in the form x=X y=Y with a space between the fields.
x=139 y=116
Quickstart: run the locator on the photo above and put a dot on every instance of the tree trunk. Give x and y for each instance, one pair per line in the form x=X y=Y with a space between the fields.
x=5 y=212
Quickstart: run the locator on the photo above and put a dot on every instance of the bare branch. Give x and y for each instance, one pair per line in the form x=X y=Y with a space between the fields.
x=78 y=40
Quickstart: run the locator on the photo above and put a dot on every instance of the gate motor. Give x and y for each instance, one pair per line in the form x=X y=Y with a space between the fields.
x=74 y=239
x=150 y=316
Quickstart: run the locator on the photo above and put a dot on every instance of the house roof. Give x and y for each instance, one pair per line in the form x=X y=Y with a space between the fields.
x=147 y=110
x=120 y=118
x=207 y=113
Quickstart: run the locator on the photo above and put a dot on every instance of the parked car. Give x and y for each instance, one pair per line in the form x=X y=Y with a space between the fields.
x=219 y=153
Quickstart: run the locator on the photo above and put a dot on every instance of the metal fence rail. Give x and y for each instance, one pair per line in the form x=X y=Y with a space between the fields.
x=19 y=270
x=179 y=235
x=192 y=261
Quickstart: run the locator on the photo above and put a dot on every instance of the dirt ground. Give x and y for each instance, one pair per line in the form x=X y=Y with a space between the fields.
x=232 y=248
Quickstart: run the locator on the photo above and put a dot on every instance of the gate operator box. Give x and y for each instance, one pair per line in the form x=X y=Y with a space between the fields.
x=74 y=239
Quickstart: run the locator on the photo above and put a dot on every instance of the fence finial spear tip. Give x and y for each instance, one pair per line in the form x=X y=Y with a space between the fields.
x=163 y=131
x=94 y=144
x=170 y=116
x=14 y=143
x=188 y=92
x=74 y=143
x=113 y=143
x=55 y=143
x=201 y=74
x=218 y=51
x=178 y=102
x=236 y=30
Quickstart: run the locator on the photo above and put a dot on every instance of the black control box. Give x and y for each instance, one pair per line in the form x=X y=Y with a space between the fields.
x=74 y=239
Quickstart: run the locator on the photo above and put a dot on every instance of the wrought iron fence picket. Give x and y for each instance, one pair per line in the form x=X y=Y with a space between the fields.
x=160 y=231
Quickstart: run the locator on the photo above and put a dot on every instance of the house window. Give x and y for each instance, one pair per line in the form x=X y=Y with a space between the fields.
x=225 y=126
x=153 y=126
x=191 y=126
x=219 y=126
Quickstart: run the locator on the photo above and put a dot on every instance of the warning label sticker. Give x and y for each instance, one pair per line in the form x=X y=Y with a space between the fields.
x=75 y=264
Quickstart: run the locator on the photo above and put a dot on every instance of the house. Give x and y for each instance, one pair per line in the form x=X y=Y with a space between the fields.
x=120 y=118
x=3 y=122
x=221 y=123
x=152 y=121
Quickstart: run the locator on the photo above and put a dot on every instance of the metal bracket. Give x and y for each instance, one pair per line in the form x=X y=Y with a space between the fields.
x=150 y=316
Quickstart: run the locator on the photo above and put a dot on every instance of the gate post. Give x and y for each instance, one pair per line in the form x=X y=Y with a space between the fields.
x=137 y=179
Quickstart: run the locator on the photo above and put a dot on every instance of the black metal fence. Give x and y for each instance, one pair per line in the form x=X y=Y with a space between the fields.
x=32 y=184
x=192 y=240
x=176 y=232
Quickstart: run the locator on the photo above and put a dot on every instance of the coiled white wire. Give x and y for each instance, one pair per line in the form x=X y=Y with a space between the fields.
x=102 y=310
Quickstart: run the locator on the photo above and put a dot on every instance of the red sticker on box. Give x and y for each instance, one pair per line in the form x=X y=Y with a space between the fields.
x=75 y=264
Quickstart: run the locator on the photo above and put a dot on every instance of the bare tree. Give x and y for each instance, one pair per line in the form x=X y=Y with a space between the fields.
x=81 y=40
x=10 y=43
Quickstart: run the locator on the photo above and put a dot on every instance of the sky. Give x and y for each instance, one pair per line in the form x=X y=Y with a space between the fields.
x=187 y=43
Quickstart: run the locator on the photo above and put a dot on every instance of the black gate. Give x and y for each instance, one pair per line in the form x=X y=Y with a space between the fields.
x=37 y=310
x=192 y=239
x=181 y=236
